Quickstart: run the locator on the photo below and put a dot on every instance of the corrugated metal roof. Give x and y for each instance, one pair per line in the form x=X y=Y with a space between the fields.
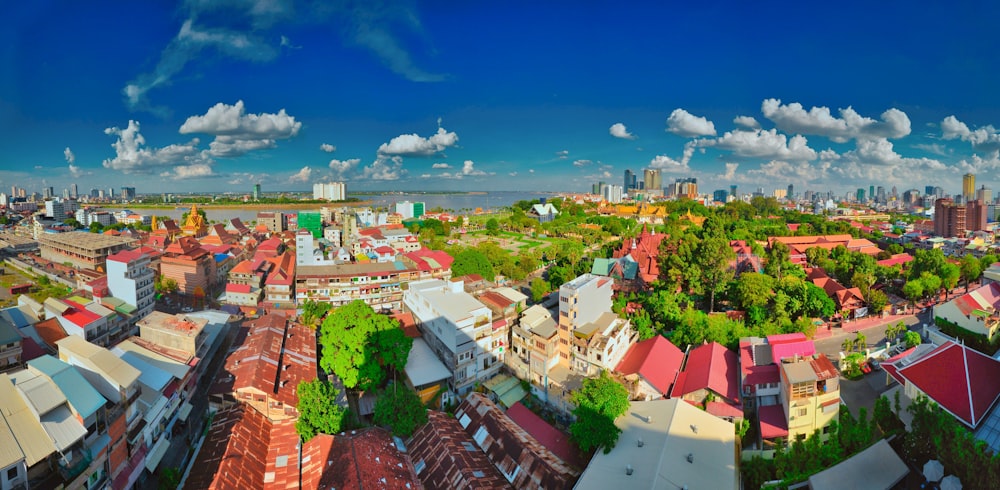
x=63 y=427
x=111 y=366
x=10 y=451
x=149 y=375
x=8 y=332
x=81 y=395
x=422 y=366
x=176 y=369
x=28 y=431
x=41 y=394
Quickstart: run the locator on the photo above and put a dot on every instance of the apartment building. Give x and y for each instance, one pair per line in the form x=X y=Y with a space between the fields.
x=458 y=328
x=810 y=399
x=80 y=248
x=378 y=284
x=534 y=345
x=130 y=279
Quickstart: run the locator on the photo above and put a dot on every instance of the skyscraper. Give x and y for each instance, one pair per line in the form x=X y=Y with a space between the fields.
x=629 y=180
x=791 y=192
x=74 y=192
x=256 y=192
x=984 y=194
x=732 y=191
x=871 y=192
x=652 y=178
x=861 y=195
x=949 y=218
x=128 y=193
x=969 y=187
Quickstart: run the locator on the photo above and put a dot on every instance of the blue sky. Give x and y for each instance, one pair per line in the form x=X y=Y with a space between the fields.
x=217 y=95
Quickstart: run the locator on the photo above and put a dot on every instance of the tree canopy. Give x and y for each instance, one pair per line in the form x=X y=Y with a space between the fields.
x=472 y=261
x=360 y=346
x=399 y=408
x=318 y=411
x=598 y=403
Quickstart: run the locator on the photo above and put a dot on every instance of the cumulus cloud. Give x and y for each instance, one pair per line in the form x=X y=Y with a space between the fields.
x=384 y=168
x=783 y=171
x=132 y=156
x=747 y=122
x=880 y=152
x=341 y=167
x=468 y=170
x=683 y=123
x=618 y=130
x=512 y=174
x=184 y=172
x=440 y=165
x=562 y=154
x=763 y=144
x=934 y=148
x=328 y=148
x=985 y=138
x=730 y=173
x=302 y=176
x=238 y=133
x=667 y=164
x=582 y=163
x=793 y=118
x=414 y=145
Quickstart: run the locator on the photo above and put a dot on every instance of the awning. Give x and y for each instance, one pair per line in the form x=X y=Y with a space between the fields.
x=154 y=456
x=185 y=411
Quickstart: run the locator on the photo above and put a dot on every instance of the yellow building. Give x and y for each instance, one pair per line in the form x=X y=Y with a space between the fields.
x=969 y=187
x=810 y=395
x=194 y=225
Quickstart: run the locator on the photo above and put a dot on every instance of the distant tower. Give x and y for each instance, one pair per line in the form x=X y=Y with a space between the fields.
x=871 y=192
x=629 y=178
x=256 y=191
x=969 y=187
x=75 y=194
x=791 y=192
x=732 y=191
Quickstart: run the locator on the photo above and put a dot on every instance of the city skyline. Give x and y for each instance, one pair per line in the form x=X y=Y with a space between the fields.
x=204 y=96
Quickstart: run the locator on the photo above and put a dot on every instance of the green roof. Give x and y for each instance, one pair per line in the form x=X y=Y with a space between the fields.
x=507 y=388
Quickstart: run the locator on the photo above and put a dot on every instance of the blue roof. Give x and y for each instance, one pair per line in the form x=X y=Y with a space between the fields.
x=16 y=316
x=8 y=332
x=221 y=257
x=149 y=375
x=83 y=397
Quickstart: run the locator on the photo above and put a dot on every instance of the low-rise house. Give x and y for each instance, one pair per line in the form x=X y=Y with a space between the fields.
x=534 y=345
x=379 y=285
x=810 y=399
x=847 y=299
x=650 y=368
x=544 y=213
x=77 y=320
x=520 y=458
x=26 y=447
x=710 y=379
x=975 y=311
x=425 y=373
x=666 y=444
x=10 y=346
x=601 y=344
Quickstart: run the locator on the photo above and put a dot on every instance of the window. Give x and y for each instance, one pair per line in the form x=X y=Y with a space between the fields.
x=12 y=473
x=480 y=435
x=802 y=412
x=419 y=466
x=464 y=420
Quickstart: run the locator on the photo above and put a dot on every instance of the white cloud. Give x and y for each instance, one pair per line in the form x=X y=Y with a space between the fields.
x=763 y=144
x=340 y=167
x=302 y=176
x=132 y=156
x=934 y=148
x=184 y=47
x=747 y=122
x=238 y=133
x=531 y=171
x=184 y=172
x=667 y=164
x=563 y=154
x=468 y=168
x=512 y=174
x=784 y=171
x=74 y=170
x=985 y=138
x=880 y=152
x=730 y=171
x=618 y=130
x=384 y=168
x=793 y=118
x=582 y=163
x=440 y=165
x=683 y=123
x=327 y=147
x=413 y=145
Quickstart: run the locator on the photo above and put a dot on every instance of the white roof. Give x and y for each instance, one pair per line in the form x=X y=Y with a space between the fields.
x=41 y=394
x=422 y=366
x=683 y=447
x=108 y=365
x=155 y=359
x=450 y=303
x=511 y=294
x=10 y=451
x=534 y=316
x=877 y=467
x=63 y=427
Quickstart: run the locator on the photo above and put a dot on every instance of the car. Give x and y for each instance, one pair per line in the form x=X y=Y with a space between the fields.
x=187 y=309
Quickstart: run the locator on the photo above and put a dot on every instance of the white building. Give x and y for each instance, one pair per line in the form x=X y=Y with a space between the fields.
x=612 y=193
x=332 y=191
x=55 y=210
x=130 y=279
x=410 y=209
x=458 y=328
x=332 y=235
x=306 y=251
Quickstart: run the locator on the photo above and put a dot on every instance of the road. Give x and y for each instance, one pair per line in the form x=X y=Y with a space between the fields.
x=875 y=336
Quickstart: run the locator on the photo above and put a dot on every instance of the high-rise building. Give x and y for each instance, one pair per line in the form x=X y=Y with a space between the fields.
x=984 y=194
x=685 y=187
x=652 y=178
x=861 y=195
x=732 y=191
x=256 y=192
x=949 y=218
x=612 y=193
x=410 y=209
x=629 y=180
x=969 y=187
x=928 y=190
x=48 y=193
x=880 y=192
x=975 y=215
x=871 y=192
x=128 y=193
x=791 y=192
x=331 y=191
x=74 y=192
x=720 y=195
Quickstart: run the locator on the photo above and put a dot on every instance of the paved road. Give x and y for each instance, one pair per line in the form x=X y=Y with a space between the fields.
x=875 y=336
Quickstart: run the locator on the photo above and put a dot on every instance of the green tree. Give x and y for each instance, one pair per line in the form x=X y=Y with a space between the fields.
x=170 y=478
x=539 y=288
x=912 y=339
x=987 y=261
x=319 y=412
x=971 y=269
x=314 y=311
x=950 y=274
x=778 y=259
x=714 y=259
x=753 y=289
x=472 y=261
x=96 y=227
x=893 y=331
x=73 y=222
x=170 y=285
x=599 y=402
x=360 y=346
x=492 y=227
x=877 y=301
x=399 y=408
x=913 y=290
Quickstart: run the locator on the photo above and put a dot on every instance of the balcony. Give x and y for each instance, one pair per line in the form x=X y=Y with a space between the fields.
x=80 y=461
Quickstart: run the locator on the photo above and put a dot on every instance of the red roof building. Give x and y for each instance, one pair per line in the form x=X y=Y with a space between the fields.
x=553 y=439
x=896 y=259
x=653 y=364
x=845 y=298
x=365 y=459
x=963 y=381
x=711 y=368
x=644 y=250
x=446 y=457
x=190 y=265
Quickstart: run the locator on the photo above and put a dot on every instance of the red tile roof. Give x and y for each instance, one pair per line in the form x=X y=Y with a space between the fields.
x=237 y=288
x=961 y=380
x=897 y=259
x=758 y=375
x=495 y=299
x=50 y=331
x=710 y=366
x=656 y=360
x=274 y=358
x=125 y=256
x=773 y=423
x=234 y=453
x=420 y=257
x=553 y=439
x=79 y=315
